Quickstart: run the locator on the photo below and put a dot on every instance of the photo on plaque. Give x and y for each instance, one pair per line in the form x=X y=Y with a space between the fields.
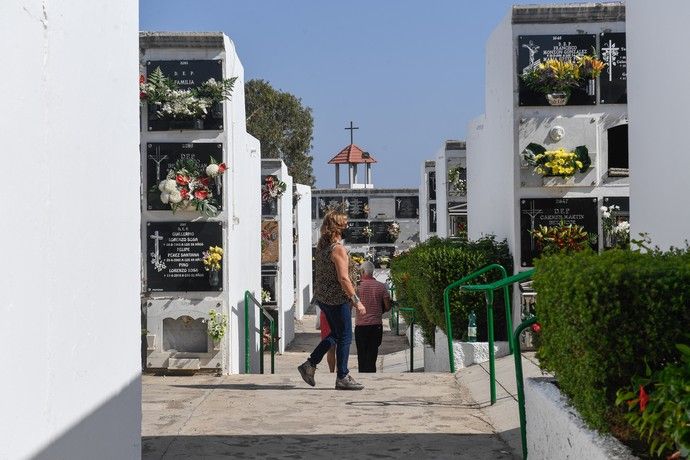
x=161 y=158
x=200 y=111
x=534 y=50
x=270 y=242
x=184 y=256
x=555 y=212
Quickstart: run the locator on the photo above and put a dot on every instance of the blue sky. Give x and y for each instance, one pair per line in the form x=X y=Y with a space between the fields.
x=408 y=73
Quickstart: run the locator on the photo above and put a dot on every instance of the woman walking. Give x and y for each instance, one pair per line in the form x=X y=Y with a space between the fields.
x=335 y=293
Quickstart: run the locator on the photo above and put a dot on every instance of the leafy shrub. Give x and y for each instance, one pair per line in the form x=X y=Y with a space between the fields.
x=604 y=316
x=659 y=406
x=421 y=275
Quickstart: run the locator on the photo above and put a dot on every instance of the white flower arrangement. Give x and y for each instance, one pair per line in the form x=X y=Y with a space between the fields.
x=616 y=229
x=394 y=230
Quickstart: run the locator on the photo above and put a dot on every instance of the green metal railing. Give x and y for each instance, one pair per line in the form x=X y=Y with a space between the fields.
x=489 y=312
x=519 y=381
x=249 y=297
x=488 y=290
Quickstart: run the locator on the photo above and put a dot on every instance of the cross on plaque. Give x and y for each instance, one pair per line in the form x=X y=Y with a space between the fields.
x=352 y=130
x=532 y=213
x=158 y=159
x=156 y=239
x=610 y=55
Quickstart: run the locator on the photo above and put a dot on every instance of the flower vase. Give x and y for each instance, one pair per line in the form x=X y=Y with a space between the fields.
x=216 y=344
x=213 y=278
x=557 y=98
x=150 y=342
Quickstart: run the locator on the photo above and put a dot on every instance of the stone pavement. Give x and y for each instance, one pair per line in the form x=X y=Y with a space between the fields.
x=397 y=415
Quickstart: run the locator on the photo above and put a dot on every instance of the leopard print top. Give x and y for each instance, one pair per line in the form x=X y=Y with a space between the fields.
x=327 y=289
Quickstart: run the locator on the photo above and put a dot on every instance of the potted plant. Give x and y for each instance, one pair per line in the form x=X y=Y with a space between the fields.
x=212 y=263
x=556 y=78
x=150 y=340
x=185 y=108
x=189 y=186
x=217 y=326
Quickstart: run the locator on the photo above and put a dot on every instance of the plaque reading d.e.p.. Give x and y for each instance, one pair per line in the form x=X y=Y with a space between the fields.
x=535 y=49
x=406 y=207
x=613 y=81
x=551 y=212
x=327 y=203
x=380 y=233
x=174 y=253
x=354 y=233
x=160 y=159
x=357 y=207
x=187 y=75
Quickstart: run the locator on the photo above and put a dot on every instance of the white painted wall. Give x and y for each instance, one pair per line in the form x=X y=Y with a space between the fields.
x=441 y=193
x=286 y=271
x=424 y=233
x=70 y=296
x=659 y=162
x=303 y=256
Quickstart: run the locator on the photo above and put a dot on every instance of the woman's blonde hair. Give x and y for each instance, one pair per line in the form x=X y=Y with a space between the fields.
x=334 y=222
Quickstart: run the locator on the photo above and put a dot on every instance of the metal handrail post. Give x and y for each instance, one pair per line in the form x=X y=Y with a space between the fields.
x=509 y=317
x=261 y=344
x=520 y=382
x=490 y=333
x=273 y=346
x=446 y=304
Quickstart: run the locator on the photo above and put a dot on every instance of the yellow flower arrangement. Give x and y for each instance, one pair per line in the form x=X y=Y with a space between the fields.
x=212 y=258
x=358 y=260
x=562 y=75
x=557 y=163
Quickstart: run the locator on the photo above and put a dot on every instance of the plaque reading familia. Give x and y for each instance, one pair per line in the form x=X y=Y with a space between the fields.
x=160 y=159
x=357 y=207
x=613 y=81
x=354 y=233
x=406 y=207
x=174 y=256
x=551 y=212
x=535 y=49
x=186 y=74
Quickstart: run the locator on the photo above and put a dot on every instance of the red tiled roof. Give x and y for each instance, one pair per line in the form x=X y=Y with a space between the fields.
x=352 y=154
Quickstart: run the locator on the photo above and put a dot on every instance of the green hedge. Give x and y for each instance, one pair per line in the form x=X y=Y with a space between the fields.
x=604 y=317
x=421 y=275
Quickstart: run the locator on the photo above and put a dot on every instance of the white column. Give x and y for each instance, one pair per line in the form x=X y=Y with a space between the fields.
x=369 y=174
x=351 y=174
x=337 y=175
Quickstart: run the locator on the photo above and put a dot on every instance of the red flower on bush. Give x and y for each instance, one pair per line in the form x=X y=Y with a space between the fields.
x=644 y=399
x=182 y=180
x=536 y=328
x=201 y=194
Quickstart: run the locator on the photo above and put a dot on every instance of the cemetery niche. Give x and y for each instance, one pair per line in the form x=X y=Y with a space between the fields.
x=327 y=203
x=356 y=233
x=380 y=232
x=382 y=255
x=534 y=50
x=615 y=217
x=270 y=242
x=269 y=204
x=161 y=158
x=357 y=207
x=185 y=94
x=613 y=82
x=432 y=218
x=406 y=207
x=552 y=212
x=176 y=252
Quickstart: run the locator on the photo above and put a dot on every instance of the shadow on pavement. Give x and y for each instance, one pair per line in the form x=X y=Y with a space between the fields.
x=351 y=446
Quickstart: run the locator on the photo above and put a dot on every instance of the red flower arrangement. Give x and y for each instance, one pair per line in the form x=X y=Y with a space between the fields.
x=272 y=188
x=190 y=186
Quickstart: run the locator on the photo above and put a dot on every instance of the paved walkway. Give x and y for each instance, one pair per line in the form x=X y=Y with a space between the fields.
x=397 y=415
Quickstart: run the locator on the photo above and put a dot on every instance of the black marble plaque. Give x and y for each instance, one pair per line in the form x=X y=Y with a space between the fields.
x=269 y=207
x=160 y=158
x=431 y=181
x=328 y=202
x=187 y=75
x=406 y=207
x=380 y=232
x=382 y=251
x=613 y=86
x=432 y=218
x=357 y=207
x=622 y=214
x=534 y=49
x=314 y=208
x=551 y=212
x=174 y=252
x=354 y=233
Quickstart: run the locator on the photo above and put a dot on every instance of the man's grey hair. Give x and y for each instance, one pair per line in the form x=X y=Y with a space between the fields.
x=368 y=268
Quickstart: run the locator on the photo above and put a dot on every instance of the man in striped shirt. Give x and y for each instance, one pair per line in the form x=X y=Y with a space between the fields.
x=369 y=326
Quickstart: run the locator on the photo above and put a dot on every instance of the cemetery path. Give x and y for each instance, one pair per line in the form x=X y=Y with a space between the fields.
x=397 y=415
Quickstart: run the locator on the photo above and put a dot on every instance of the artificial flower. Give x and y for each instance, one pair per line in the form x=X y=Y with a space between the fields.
x=212 y=170
x=165 y=198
